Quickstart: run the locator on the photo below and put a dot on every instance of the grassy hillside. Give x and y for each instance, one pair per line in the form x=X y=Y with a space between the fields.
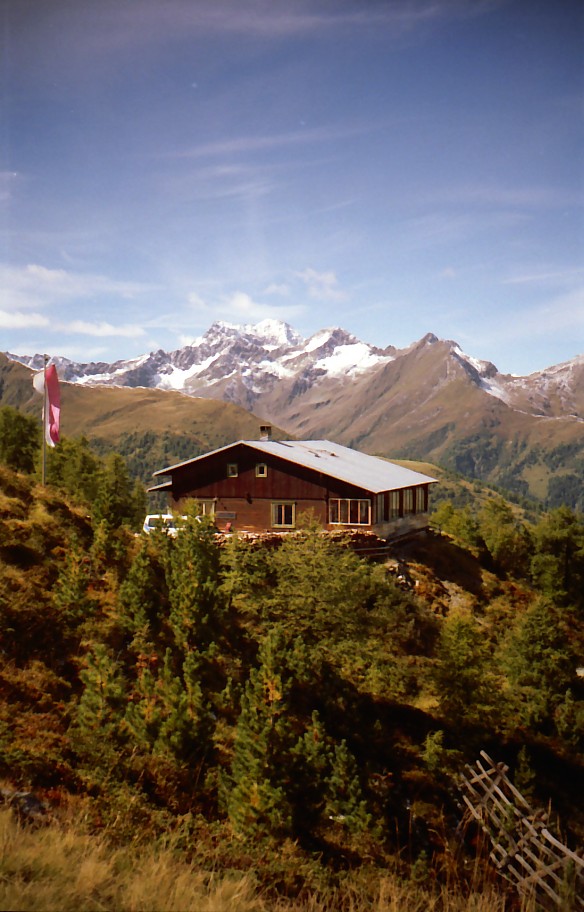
x=419 y=407
x=426 y=406
x=150 y=428
x=298 y=715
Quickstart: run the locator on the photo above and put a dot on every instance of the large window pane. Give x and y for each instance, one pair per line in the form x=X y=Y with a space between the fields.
x=354 y=512
x=393 y=504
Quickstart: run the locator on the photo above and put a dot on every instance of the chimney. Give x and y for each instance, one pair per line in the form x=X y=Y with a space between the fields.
x=265 y=432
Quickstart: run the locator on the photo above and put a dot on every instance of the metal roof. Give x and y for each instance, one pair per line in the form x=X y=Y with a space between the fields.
x=164 y=486
x=368 y=472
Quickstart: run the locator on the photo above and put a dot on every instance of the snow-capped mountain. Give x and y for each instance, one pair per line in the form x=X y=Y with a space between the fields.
x=236 y=363
x=267 y=365
x=429 y=401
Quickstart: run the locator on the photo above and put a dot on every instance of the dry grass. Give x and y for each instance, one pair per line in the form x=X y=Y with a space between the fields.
x=63 y=868
x=52 y=868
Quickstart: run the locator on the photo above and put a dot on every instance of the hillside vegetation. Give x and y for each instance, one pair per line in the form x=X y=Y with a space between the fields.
x=428 y=404
x=288 y=720
x=150 y=428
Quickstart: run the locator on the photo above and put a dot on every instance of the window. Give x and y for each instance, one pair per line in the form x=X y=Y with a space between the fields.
x=349 y=512
x=420 y=500
x=232 y=471
x=207 y=507
x=393 y=504
x=284 y=515
x=409 y=503
x=261 y=470
x=379 y=508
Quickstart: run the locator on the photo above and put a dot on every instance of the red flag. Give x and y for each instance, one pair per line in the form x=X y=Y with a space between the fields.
x=53 y=417
x=47 y=382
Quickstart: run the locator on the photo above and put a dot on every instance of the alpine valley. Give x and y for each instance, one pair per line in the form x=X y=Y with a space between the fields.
x=430 y=401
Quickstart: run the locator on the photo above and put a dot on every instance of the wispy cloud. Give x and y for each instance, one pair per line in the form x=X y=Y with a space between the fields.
x=322 y=286
x=560 y=313
x=7 y=182
x=103 y=329
x=278 y=288
x=242 y=307
x=242 y=145
x=116 y=28
x=34 y=286
x=15 y=319
x=501 y=196
x=552 y=277
x=36 y=297
x=559 y=316
x=445 y=227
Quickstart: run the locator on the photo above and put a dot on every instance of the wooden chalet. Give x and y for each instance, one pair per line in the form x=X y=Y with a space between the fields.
x=264 y=485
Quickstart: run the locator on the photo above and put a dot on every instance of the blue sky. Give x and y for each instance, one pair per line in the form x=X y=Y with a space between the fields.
x=394 y=167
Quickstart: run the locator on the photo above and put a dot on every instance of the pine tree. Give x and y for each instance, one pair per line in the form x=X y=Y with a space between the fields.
x=312 y=764
x=461 y=523
x=69 y=595
x=345 y=802
x=248 y=574
x=20 y=438
x=73 y=467
x=461 y=674
x=259 y=800
x=196 y=598
x=103 y=700
x=505 y=537
x=167 y=714
x=321 y=587
x=142 y=597
x=540 y=661
x=115 y=497
x=557 y=567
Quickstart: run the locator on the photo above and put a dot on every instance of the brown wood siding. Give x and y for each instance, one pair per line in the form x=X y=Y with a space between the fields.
x=284 y=480
x=250 y=497
x=256 y=515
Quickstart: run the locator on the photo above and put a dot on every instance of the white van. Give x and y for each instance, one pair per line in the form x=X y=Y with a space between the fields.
x=164 y=521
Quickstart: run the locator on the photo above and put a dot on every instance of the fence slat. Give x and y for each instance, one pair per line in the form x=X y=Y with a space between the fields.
x=523 y=849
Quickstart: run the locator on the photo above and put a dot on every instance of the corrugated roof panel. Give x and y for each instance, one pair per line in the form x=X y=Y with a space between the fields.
x=360 y=469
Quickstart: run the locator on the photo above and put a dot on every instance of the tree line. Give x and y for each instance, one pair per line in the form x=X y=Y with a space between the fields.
x=103 y=483
x=275 y=692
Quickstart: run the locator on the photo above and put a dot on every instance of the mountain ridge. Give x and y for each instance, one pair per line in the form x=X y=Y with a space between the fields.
x=273 y=350
x=430 y=400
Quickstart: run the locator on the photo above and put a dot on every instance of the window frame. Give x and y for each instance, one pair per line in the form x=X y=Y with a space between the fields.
x=347 y=508
x=394 y=505
x=282 y=504
x=259 y=466
x=232 y=470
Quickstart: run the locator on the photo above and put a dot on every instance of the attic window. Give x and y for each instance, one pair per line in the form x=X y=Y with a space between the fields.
x=261 y=470
x=232 y=470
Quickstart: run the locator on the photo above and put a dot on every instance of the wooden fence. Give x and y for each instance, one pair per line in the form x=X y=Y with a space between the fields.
x=523 y=848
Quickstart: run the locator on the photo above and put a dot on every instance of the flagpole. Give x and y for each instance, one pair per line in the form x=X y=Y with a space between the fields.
x=44 y=459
